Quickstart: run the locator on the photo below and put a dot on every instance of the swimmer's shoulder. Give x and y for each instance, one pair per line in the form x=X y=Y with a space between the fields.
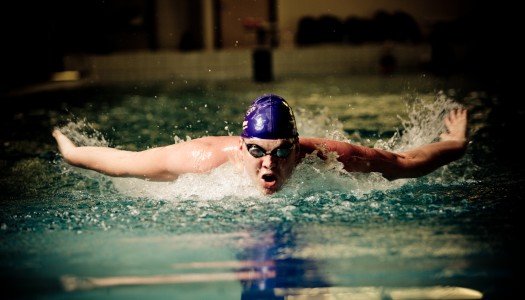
x=221 y=149
x=309 y=145
x=218 y=142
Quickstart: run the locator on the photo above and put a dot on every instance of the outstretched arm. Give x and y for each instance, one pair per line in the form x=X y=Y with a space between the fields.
x=411 y=163
x=159 y=164
x=427 y=158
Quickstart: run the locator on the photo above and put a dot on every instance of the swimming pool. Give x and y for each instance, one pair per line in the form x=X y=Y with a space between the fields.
x=73 y=234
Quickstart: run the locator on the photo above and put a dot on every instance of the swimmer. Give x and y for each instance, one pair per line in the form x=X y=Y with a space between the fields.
x=268 y=149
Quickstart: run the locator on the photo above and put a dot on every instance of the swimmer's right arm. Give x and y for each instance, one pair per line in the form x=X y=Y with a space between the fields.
x=114 y=162
x=157 y=164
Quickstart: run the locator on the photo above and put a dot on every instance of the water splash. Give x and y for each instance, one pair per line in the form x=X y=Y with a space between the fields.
x=319 y=123
x=209 y=186
x=423 y=125
x=83 y=133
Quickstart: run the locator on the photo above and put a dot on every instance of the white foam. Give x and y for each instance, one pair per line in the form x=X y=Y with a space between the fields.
x=223 y=182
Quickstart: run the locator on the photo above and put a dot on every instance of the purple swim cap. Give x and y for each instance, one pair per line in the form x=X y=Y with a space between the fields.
x=269 y=117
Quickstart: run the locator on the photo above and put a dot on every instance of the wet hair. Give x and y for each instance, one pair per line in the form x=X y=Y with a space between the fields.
x=269 y=117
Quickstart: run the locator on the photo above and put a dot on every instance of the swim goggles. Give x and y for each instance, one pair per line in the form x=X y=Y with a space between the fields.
x=258 y=152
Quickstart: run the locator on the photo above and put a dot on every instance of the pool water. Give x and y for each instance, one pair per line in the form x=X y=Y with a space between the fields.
x=68 y=233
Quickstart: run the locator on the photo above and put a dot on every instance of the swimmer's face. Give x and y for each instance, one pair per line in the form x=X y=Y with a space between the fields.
x=269 y=163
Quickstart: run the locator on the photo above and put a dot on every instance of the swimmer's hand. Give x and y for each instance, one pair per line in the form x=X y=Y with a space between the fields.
x=65 y=145
x=456 y=124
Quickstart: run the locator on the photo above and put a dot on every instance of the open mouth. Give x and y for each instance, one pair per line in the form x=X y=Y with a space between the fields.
x=269 y=179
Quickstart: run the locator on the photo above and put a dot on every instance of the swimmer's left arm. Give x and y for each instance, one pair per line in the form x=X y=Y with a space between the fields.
x=414 y=162
x=425 y=159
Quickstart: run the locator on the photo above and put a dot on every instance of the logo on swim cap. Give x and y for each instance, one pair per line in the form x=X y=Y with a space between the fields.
x=269 y=117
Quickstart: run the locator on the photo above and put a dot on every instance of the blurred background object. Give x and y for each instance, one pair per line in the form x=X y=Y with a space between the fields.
x=146 y=40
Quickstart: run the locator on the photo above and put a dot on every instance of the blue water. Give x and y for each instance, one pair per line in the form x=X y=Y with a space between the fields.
x=68 y=233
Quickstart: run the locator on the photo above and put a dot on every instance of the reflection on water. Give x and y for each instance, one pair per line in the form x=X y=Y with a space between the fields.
x=71 y=233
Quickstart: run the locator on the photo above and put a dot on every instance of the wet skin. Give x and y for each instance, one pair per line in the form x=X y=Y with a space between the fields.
x=269 y=173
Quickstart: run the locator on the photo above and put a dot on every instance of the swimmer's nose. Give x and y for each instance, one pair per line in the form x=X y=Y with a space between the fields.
x=268 y=162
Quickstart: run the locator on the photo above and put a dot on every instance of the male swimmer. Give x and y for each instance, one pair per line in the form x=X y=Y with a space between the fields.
x=268 y=149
